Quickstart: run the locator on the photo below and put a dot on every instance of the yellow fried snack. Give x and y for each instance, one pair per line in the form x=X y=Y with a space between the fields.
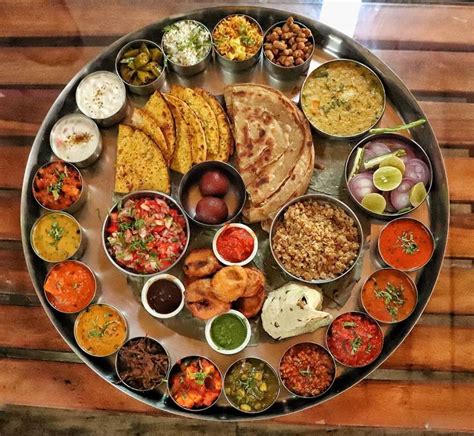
x=156 y=106
x=196 y=136
x=229 y=283
x=201 y=262
x=182 y=160
x=205 y=114
x=226 y=139
x=256 y=282
x=140 y=163
x=201 y=302
x=145 y=122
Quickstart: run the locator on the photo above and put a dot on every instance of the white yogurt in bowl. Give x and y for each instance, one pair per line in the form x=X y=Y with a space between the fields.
x=76 y=139
x=102 y=96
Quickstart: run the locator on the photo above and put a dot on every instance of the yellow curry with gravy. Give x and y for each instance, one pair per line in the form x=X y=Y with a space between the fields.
x=100 y=330
x=342 y=98
x=56 y=237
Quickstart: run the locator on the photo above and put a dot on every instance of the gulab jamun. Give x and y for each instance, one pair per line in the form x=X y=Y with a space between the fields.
x=214 y=183
x=211 y=210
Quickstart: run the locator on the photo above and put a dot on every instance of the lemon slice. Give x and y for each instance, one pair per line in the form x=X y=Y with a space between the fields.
x=387 y=178
x=417 y=194
x=393 y=161
x=374 y=202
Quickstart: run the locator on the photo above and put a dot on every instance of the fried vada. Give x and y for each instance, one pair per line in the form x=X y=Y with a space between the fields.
x=256 y=282
x=229 y=283
x=201 y=302
x=250 y=306
x=201 y=262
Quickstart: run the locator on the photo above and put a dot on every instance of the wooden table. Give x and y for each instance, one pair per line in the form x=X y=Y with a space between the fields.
x=428 y=383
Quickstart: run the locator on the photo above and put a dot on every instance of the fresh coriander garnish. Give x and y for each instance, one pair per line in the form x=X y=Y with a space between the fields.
x=306 y=372
x=349 y=324
x=56 y=232
x=393 y=298
x=408 y=244
x=355 y=344
x=199 y=377
x=56 y=188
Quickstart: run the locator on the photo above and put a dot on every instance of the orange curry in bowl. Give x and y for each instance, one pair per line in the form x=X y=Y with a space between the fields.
x=406 y=244
x=389 y=295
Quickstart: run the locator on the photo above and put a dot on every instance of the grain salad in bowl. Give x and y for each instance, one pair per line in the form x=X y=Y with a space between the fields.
x=187 y=45
x=316 y=238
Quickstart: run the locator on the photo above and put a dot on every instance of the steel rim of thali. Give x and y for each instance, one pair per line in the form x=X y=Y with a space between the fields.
x=396 y=90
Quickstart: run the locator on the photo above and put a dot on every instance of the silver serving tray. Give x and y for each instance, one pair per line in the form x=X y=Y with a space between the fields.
x=184 y=335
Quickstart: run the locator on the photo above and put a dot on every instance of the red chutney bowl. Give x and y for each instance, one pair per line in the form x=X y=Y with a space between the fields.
x=235 y=244
x=406 y=244
x=389 y=295
x=354 y=339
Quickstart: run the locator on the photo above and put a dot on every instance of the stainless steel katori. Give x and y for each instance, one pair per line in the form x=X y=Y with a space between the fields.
x=183 y=335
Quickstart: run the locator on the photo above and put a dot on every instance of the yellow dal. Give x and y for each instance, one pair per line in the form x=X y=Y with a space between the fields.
x=68 y=237
x=342 y=98
x=100 y=330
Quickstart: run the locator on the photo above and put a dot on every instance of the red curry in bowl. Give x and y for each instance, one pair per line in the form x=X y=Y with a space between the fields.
x=389 y=295
x=406 y=244
x=354 y=339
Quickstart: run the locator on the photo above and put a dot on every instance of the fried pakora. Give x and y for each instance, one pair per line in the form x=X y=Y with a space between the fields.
x=229 y=283
x=201 y=301
x=201 y=262
x=250 y=306
x=256 y=282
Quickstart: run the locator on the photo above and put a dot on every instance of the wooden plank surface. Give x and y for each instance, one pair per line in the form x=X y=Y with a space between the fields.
x=392 y=404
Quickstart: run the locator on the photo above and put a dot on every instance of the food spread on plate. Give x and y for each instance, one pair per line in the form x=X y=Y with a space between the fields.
x=342 y=98
x=237 y=37
x=261 y=250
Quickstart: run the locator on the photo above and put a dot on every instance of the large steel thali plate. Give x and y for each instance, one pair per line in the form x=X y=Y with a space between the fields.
x=184 y=335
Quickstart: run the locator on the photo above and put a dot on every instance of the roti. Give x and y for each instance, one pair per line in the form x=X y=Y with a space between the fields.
x=205 y=114
x=140 y=163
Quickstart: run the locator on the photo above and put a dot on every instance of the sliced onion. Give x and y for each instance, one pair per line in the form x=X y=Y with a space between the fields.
x=401 y=145
x=417 y=170
x=362 y=184
x=400 y=197
x=389 y=207
x=375 y=149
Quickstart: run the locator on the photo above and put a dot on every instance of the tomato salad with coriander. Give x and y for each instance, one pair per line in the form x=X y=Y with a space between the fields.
x=406 y=244
x=354 y=339
x=146 y=235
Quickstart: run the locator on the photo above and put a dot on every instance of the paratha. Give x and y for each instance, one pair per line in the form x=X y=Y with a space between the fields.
x=140 y=163
x=274 y=148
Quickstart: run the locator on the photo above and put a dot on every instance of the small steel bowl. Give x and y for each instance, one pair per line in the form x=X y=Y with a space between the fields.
x=320 y=347
x=425 y=228
x=93 y=129
x=148 y=88
x=82 y=238
x=237 y=66
x=354 y=135
x=81 y=199
x=163 y=351
x=412 y=283
x=190 y=181
x=79 y=317
x=256 y=360
x=137 y=195
x=175 y=368
x=109 y=119
x=366 y=316
x=214 y=346
x=144 y=295
x=285 y=73
x=78 y=263
x=227 y=262
x=189 y=70
x=322 y=198
x=420 y=153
